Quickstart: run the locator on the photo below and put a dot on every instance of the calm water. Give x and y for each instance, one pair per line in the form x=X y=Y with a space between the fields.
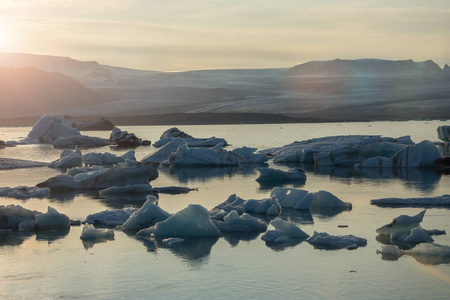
x=59 y=265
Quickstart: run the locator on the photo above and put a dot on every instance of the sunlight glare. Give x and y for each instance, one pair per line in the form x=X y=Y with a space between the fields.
x=6 y=37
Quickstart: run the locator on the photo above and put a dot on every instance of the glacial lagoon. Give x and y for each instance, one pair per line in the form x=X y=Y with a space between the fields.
x=58 y=264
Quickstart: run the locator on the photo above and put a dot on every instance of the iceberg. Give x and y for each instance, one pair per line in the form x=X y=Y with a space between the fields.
x=82 y=141
x=148 y=215
x=175 y=133
x=444 y=133
x=128 y=190
x=163 y=153
x=338 y=150
x=24 y=192
x=125 y=139
x=232 y=222
x=292 y=198
x=61 y=183
x=418 y=235
x=438 y=201
x=91 y=159
x=323 y=200
x=199 y=157
x=402 y=224
x=52 y=219
x=268 y=206
x=68 y=159
x=323 y=240
x=274 y=176
x=284 y=232
x=193 y=221
x=249 y=155
x=11 y=216
x=89 y=232
x=421 y=155
x=49 y=128
x=114 y=217
x=390 y=252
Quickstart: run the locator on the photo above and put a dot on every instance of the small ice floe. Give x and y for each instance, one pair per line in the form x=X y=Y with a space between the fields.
x=232 y=222
x=89 y=232
x=338 y=150
x=127 y=190
x=418 y=235
x=24 y=192
x=390 y=252
x=437 y=201
x=81 y=141
x=91 y=159
x=68 y=159
x=275 y=176
x=197 y=157
x=301 y=199
x=125 y=139
x=52 y=219
x=163 y=153
x=12 y=216
x=268 y=206
x=402 y=224
x=148 y=215
x=421 y=155
x=323 y=240
x=173 y=241
x=113 y=217
x=444 y=133
x=11 y=163
x=249 y=155
x=193 y=221
x=284 y=232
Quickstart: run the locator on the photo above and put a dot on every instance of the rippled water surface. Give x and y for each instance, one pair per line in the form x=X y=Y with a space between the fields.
x=59 y=265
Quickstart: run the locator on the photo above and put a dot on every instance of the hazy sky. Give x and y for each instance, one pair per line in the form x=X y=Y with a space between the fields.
x=201 y=34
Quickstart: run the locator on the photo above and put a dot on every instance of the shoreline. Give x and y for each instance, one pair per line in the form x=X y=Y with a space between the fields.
x=177 y=119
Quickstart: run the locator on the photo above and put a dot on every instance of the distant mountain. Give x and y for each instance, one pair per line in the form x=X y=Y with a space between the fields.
x=30 y=91
x=366 y=67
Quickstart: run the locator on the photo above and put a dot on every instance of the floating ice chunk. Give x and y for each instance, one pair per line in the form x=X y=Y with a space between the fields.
x=11 y=216
x=129 y=190
x=323 y=240
x=106 y=158
x=173 y=241
x=193 y=142
x=48 y=128
x=437 y=201
x=249 y=155
x=61 y=182
x=68 y=159
x=292 y=198
x=163 y=153
x=52 y=219
x=326 y=200
x=390 y=250
x=418 y=235
x=175 y=133
x=10 y=163
x=82 y=141
x=24 y=192
x=193 y=221
x=272 y=176
x=444 y=133
x=185 y=156
x=114 y=217
x=284 y=231
x=232 y=222
x=148 y=215
x=124 y=139
x=402 y=224
x=268 y=206
x=430 y=249
x=89 y=232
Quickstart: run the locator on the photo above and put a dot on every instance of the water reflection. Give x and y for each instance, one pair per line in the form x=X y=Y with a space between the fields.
x=14 y=238
x=234 y=238
x=428 y=259
x=278 y=247
x=297 y=217
x=88 y=244
x=203 y=174
x=52 y=235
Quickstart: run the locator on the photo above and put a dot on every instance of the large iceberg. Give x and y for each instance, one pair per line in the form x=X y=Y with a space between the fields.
x=52 y=219
x=232 y=222
x=163 y=153
x=338 y=150
x=284 y=232
x=421 y=155
x=148 y=215
x=323 y=240
x=12 y=216
x=48 y=128
x=444 y=133
x=193 y=221
x=268 y=206
x=125 y=139
x=274 y=176
x=24 y=192
x=438 y=201
x=402 y=224
x=198 y=157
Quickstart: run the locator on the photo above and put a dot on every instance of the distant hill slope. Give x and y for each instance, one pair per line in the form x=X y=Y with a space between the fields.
x=30 y=91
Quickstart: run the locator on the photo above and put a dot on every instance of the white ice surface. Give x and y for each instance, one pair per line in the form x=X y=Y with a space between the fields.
x=186 y=156
x=148 y=215
x=232 y=222
x=89 y=232
x=402 y=224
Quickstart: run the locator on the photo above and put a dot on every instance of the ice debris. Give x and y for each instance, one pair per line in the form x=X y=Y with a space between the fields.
x=274 y=176
x=323 y=240
x=52 y=219
x=148 y=215
x=197 y=157
x=24 y=192
x=193 y=221
x=402 y=224
x=232 y=222
x=284 y=232
x=89 y=232
x=437 y=201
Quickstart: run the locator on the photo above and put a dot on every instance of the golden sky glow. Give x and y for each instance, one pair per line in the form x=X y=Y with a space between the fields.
x=205 y=34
